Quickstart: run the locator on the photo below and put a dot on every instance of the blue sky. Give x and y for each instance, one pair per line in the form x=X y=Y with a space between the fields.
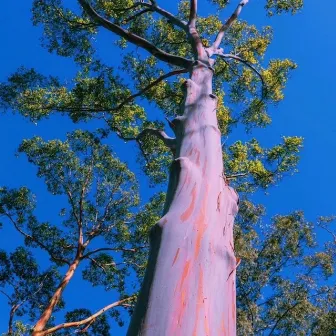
x=308 y=111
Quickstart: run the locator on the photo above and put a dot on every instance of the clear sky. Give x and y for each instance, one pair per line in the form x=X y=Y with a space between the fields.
x=308 y=111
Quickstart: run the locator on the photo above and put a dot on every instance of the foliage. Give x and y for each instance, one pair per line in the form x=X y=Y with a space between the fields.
x=26 y=288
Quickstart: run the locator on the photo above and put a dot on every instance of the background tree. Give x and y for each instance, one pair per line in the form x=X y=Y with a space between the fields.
x=100 y=192
x=98 y=93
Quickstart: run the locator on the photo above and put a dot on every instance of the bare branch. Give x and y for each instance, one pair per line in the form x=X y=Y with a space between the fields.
x=325 y=227
x=133 y=38
x=231 y=177
x=193 y=14
x=168 y=141
x=85 y=329
x=8 y=297
x=87 y=320
x=228 y=24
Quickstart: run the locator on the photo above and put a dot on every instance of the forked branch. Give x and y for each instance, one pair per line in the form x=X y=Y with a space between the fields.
x=133 y=38
x=85 y=321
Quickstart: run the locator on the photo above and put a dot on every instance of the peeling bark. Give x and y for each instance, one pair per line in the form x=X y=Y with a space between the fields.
x=189 y=286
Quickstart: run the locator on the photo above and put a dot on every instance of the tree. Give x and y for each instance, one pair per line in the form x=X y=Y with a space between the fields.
x=100 y=192
x=195 y=234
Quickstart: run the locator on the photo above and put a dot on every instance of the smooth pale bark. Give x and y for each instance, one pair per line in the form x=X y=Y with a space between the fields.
x=45 y=317
x=189 y=286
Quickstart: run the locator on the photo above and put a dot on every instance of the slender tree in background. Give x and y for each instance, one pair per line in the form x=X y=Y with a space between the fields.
x=100 y=191
x=189 y=284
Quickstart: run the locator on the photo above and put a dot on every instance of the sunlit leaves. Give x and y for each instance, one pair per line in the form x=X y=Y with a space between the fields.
x=37 y=96
x=224 y=117
x=275 y=77
x=166 y=36
x=253 y=166
x=282 y=6
x=220 y=3
x=248 y=41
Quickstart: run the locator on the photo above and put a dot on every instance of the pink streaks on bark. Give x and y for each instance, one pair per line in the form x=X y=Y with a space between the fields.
x=200 y=223
x=200 y=299
x=176 y=255
x=193 y=240
x=185 y=216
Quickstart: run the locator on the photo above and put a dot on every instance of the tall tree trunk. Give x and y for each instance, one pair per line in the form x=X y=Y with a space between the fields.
x=45 y=317
x=189 y=286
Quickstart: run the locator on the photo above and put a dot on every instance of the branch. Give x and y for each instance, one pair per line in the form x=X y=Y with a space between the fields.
x=231 y=177
x=228 y=24
x=291 y=308
x=167 y=140
x=324 y=227
x=107 y=249
x=81 y=209
x=146 y=10
x=98 y=264
x=32 y=294
x=87 y=320
x=41 y=245
x=8 y=297
x=133 y=38
x=192 y=14
x=220 y=53
x=137 y=4
x=195 y=39
x=122 y=104
x=169 y=16
x=149 y=86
